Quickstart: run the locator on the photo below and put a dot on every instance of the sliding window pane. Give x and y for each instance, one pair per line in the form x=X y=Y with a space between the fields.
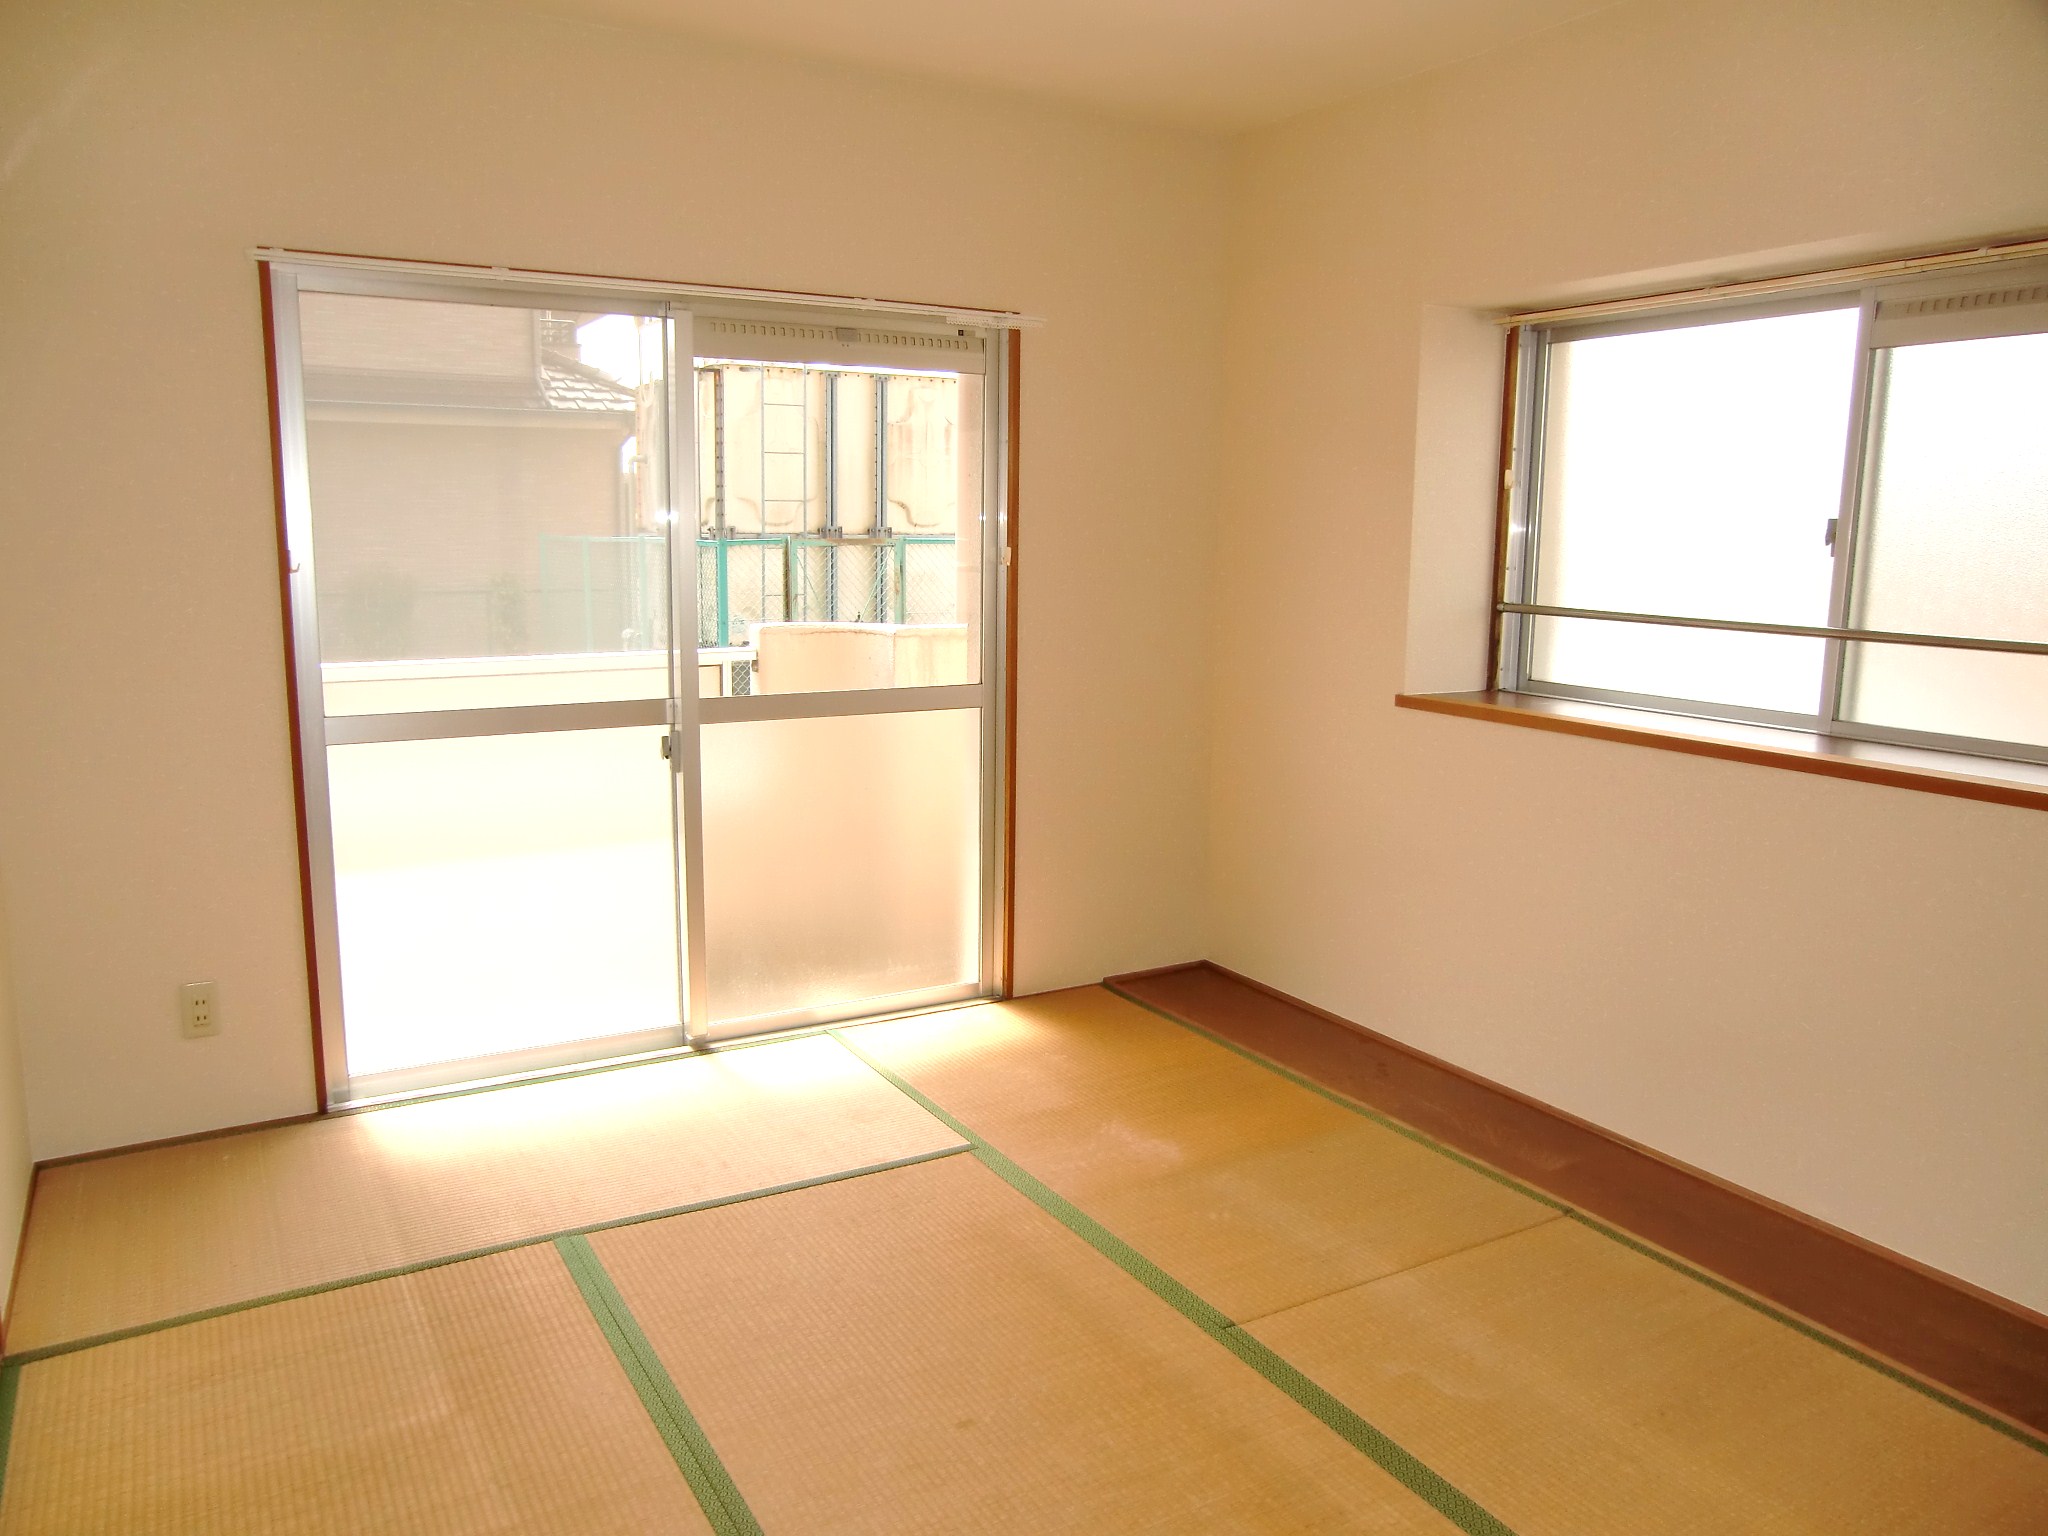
x=1780 y=673
x=842 y=859
x=1956 y=542
x=487 y=486
x=1956 y=537
x=1693 y=471
x=839 y=528
x=1990 y=695
x=502 y=893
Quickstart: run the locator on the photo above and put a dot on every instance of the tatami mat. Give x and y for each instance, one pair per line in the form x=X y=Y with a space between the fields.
x=1252 y=1190
x=125 y=1241
x=478 y=1397
x=926 y=1351
x=1579 y=1388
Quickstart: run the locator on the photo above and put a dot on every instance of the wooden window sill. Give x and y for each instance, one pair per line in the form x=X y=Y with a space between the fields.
x=1942 y=773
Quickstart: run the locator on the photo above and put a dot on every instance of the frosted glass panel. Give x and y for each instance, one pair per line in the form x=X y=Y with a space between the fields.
x=839 y=524
x=486 y=485
x=842 y=858
x=1775 y=672
x=1956 y=538
x=502 y=893
x=1693 y=471
x=1985 y=694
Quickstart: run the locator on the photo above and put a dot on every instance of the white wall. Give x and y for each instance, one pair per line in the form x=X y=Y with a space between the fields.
x=145 y=794
x=1832 y=993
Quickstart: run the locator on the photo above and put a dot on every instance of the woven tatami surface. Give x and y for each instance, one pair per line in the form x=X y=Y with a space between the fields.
x=475 y=1398
x=1579 y=1388
x=1250 y=1189
x=1018 y=1336
x=134 y=1239
x=927 y=1351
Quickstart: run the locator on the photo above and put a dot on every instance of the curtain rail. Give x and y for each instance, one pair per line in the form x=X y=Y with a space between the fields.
x=1764 y=287
x=999 y=319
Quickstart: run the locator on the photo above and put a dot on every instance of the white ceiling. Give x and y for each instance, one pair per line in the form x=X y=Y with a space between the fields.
x=1216 y=64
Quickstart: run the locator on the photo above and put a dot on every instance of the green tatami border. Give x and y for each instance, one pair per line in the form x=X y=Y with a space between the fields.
x=1635 y=1244
x=717 y=1495
x=1404 y=1466
x=10 y=1390
x=226 y=1309
x=348 y=1109
x=1384 y=1121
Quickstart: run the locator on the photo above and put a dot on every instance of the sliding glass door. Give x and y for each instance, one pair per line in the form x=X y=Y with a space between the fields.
x=843 y=575
x=645 y=666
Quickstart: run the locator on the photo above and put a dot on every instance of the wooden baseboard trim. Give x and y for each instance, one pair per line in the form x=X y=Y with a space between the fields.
x=1962 y=1338
x=179 y=1141
x=1161 y=970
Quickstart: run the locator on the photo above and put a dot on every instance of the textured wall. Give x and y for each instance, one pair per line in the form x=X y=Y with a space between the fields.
x=1833 y=993
x=145 y=796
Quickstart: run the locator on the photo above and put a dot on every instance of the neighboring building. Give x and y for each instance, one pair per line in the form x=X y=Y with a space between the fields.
x=479 y=489
x=465 y=463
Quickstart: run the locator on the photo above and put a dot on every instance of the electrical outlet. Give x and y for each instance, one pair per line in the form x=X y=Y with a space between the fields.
x=198 y=1010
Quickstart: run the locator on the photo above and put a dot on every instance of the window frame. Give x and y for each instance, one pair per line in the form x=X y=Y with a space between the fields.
x=1519 y=540
x=282 y=276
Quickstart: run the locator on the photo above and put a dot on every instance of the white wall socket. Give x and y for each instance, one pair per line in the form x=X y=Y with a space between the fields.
x=198 y=1010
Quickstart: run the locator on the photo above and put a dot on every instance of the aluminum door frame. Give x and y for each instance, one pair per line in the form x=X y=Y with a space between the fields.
x=316 y=731
x=682 y=713
x=987 y=695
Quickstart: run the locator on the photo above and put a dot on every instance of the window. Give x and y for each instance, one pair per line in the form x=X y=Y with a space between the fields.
x=1827 y=511
x=648 y=653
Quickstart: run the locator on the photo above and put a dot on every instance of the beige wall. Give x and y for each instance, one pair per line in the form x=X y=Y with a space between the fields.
x=1830 y=992
x=145 y=793
x=16 y=1171
x=1834 y=993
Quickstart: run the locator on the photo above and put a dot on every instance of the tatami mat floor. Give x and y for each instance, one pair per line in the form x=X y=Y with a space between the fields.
x=115 y=1243
x=1054 y=1265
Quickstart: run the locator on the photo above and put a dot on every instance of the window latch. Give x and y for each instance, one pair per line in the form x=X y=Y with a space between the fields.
x=1828 y=538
